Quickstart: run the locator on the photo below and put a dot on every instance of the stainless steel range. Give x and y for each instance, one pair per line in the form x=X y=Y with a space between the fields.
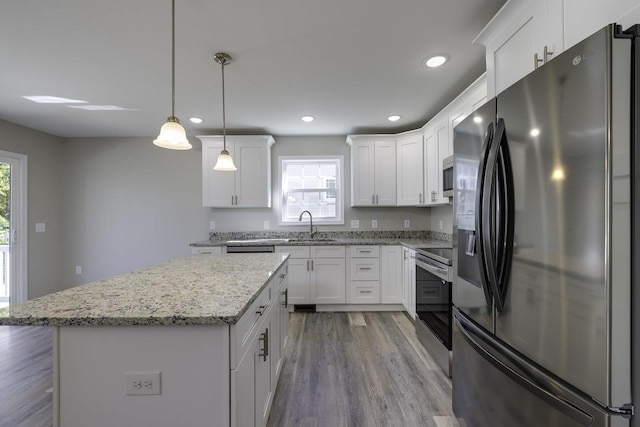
x=433 y=303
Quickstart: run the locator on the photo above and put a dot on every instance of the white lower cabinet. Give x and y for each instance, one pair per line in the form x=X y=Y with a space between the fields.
x=316 y=274
x=391 y=274
x=364 y=275
x=257 y=348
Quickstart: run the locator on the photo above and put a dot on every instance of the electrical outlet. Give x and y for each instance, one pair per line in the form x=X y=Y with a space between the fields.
x=266 y=225
x=78 y=269
x=440 y=225
x=374 y=223
x=355 y=223
x=407 y=223
x=40 y=227
x=143 y=383
x=212 y=225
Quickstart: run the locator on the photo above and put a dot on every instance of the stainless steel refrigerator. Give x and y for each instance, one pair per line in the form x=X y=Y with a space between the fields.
x=546 y=207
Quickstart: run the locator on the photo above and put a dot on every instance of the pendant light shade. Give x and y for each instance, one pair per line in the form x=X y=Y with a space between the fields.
x=225 y=161
x=172 y=134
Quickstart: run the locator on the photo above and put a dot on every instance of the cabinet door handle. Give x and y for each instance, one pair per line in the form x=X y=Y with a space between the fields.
x=377 y=201
x=546 y=54
x=536 y=61
x=286 y=297
x=420 y=198
x=307 y=265
x=311 y=265
x=261 y=310
x=264 y=337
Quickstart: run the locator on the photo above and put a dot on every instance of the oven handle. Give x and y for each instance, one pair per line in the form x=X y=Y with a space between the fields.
x=438 y=272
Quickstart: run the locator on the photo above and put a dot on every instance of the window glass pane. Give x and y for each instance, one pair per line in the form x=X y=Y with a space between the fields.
x=313 y=185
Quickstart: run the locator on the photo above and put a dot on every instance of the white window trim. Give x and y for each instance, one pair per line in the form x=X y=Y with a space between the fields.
x=340 y=179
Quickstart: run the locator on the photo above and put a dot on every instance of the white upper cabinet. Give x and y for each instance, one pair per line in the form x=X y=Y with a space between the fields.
x=438 y=138
x=525 y=34
x=250 y=185
x=438 y=146
x=410 y=167
x=373 y=170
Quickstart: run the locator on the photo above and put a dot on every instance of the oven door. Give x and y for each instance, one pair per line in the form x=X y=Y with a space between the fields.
x=433 y=304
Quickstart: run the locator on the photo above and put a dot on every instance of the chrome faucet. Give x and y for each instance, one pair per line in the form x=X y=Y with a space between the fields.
x=311 y=232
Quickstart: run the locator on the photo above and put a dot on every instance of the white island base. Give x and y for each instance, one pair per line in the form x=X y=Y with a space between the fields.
x=210 y=375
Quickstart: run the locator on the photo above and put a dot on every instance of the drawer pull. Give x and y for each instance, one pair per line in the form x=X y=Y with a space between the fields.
x=365 y=250
x=365 y=268
x=365 y=292
x=264 y=337
x=261 y=310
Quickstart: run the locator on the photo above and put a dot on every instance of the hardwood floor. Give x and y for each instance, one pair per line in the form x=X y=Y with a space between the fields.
x=359 y=369
x=340 y=369
x=26 y=365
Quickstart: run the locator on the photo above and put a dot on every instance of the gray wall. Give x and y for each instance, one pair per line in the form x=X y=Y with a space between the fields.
x=128 y=204
x=253 y=219
x=45 y=161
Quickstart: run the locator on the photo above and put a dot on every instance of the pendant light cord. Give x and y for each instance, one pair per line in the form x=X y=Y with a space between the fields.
x=173 y=58
x=224 y=117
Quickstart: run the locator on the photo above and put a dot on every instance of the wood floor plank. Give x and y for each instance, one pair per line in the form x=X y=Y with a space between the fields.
x=368 y=370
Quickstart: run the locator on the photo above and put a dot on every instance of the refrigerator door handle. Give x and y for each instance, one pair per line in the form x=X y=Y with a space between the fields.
x=480 y=214
x=489 y=228
x=505 y=203
x=528 y=377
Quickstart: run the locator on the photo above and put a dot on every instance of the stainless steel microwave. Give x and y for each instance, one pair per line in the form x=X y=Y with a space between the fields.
x=447 y=177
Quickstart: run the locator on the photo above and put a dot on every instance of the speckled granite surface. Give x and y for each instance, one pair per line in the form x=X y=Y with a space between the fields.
x=413 y=239
x=195 y=290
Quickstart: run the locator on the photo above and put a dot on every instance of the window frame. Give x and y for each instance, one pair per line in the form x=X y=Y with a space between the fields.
x=339 y=190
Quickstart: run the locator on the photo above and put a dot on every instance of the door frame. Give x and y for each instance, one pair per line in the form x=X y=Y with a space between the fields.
x=19 y=288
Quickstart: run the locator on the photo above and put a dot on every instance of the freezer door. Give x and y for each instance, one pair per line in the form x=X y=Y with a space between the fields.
x=495 y=387
x=470 y=139
x=556 y=310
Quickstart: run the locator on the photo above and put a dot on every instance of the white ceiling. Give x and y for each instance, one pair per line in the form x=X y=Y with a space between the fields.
x=349 y=63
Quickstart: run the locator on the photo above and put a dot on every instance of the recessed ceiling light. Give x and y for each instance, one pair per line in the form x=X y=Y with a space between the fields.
x=307 y=118
x=477 y=119
x=435 y=61
x=100 y=107
x=44 y=99
x=394 y=118
x=195 y=120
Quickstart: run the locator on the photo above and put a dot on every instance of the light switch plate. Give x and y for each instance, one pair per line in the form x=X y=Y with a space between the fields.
x=212 y=225
x=374 y=223
x=266 y=225
x=355 y=223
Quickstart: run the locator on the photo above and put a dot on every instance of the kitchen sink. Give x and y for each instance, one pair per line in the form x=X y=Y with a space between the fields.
x=263 y=241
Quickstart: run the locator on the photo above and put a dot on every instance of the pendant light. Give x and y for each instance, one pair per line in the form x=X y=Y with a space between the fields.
x=225 y=162
x=172 y=134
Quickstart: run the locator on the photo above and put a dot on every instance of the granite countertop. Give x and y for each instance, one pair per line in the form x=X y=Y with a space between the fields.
x=194 y=290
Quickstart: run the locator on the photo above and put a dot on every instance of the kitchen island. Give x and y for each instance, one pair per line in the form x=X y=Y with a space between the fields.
x=195 y=341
